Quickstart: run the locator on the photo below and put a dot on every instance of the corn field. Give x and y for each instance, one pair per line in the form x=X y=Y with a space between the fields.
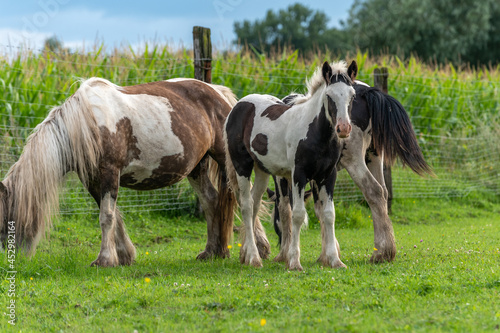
x=455 y=112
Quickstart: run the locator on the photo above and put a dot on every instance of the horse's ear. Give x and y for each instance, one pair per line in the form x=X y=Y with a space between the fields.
x=327 y=72
x=352 y=71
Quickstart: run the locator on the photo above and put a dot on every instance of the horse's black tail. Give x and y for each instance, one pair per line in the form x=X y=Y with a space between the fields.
x=392 y=132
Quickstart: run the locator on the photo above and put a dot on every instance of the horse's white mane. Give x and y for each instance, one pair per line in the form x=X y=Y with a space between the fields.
x=316 y=81
x=68 y=139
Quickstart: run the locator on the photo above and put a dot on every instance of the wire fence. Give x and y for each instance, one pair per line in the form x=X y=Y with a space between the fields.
x=463 y=163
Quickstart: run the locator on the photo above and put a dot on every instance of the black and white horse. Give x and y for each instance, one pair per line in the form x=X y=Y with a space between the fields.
x=301 y=143
x=381 y=132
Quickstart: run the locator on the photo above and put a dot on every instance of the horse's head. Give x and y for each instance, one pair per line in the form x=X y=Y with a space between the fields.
x=339 y=96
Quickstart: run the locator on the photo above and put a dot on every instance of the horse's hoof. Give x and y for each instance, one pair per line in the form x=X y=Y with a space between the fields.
x=331 y=262
x=263 y=246
x=295 y=266
x=256 y=262
x=280 y=258
x=103 y=263
x=205 y=255
x=264 y=250
x=338 y=264
x=224 y=253
x=250 y=257
x=126 y=260
x=382 y=256
x=251 y=261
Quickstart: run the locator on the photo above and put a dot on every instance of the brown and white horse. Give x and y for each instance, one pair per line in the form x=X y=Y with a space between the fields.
x=142 y=137
x=301 y=143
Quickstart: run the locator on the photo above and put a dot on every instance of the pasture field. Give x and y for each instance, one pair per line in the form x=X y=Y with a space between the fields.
x=446 y=277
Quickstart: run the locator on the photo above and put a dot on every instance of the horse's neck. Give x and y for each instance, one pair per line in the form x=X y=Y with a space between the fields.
x=310 y=109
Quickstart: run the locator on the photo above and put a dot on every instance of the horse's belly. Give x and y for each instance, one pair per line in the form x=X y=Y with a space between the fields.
x=275 y=164
x=150 y=175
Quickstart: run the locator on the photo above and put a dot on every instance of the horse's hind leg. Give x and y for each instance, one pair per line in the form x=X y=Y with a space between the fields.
x=208 y=196
x=116 y=246
x=258 y=189
x=376 y=166
x=249 y=254
x=375 y=195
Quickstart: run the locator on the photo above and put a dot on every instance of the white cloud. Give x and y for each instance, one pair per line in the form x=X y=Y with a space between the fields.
x=80 y=28
x=16 y=38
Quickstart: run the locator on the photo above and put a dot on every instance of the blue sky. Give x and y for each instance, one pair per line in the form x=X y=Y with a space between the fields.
x=117 y=23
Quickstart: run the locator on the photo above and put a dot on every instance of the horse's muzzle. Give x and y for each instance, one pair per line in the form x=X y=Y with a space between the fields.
x=343 y=130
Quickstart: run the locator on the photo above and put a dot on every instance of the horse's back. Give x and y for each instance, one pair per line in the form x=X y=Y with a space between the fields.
x=156 y=133
x=256 y=131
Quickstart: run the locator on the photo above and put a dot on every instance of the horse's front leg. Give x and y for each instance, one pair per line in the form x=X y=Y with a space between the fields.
x=125 y=250
x=298 y=217
x=258 y=189
x=325 y=211
x=109 y=182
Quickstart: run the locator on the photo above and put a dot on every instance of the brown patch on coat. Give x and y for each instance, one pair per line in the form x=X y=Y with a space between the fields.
x=259 y=144
x=275 y=111
x=119 y=148
x=187 y=99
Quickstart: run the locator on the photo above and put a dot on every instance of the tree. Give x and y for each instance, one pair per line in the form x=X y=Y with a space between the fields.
x=53 y=44
x=453 y=30
x=298 y=26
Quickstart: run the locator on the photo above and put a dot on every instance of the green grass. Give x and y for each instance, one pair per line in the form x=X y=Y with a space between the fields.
x=446 y=277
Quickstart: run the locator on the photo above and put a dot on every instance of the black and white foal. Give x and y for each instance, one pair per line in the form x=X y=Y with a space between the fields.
x=301 y=143
x=381 y=132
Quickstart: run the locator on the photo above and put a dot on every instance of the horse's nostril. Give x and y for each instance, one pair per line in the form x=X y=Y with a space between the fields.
x=338 y=129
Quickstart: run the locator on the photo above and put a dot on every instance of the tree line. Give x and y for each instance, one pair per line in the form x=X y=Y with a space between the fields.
x=457 y=31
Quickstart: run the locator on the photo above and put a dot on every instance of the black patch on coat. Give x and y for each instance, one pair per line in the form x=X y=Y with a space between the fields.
x=275 y=111
x=318 y=154
x=259 y=144
x=238 y=129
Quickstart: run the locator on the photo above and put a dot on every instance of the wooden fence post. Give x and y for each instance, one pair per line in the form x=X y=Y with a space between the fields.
x=202 y=47
x=380 y=76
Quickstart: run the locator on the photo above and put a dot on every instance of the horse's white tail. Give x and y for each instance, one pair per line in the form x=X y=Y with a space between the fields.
x=67 y=140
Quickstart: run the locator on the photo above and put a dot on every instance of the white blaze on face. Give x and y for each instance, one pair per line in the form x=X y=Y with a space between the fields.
x=342 y=95
x=150 y=117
